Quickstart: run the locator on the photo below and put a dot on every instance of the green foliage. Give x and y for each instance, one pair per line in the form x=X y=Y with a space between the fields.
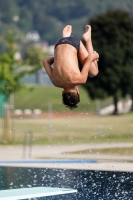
x=9 y=67
x=49 y=16
x=12 y=70
x=34 y=57
x=112 y=38
x=7 y=10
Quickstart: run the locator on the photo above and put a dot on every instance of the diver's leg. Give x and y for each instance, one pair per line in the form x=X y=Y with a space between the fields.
x=88 y=41
x=83 y=52
x=66 y=32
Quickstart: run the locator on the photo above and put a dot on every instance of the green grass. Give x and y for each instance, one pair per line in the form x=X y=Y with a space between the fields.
x=108 y=151
x=72 y=130
x=83 y=128
x=41 y=96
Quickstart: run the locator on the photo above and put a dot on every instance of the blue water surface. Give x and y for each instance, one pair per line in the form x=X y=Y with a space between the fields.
x=91 y=185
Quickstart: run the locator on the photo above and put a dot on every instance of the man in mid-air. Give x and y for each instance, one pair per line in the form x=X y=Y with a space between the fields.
x=65 y=72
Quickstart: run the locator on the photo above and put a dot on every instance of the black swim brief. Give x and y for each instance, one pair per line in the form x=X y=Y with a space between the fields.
x=72 y=40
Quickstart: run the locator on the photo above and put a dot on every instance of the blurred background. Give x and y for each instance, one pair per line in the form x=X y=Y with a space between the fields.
x=29 y=103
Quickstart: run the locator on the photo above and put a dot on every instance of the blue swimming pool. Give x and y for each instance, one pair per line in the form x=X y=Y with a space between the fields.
x=91 y=185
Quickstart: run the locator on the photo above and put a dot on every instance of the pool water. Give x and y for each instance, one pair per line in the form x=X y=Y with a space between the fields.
x=91 y=185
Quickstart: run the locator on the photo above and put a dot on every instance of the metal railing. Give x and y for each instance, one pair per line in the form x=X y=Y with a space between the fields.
x=27 y=144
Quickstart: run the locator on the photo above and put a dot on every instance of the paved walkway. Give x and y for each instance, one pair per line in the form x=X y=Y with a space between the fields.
x=56 y=152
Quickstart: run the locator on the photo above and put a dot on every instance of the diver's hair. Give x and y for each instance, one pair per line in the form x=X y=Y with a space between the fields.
x=70 y=99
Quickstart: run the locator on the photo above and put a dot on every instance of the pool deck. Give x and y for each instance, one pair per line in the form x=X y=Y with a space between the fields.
x=20 y=156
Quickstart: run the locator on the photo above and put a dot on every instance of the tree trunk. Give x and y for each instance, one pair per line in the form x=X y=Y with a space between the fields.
x=39 y=77
x=132 y=103
x=115 y=104
x=7 y=123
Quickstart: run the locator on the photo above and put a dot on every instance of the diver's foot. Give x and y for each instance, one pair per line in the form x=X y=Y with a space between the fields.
x=67 y=31
x=87 y=35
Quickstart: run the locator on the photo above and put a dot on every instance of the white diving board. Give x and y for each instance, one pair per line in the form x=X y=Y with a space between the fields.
x=23 y=193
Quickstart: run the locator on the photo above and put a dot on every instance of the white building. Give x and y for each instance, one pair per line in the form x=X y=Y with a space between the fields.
x=33 y=35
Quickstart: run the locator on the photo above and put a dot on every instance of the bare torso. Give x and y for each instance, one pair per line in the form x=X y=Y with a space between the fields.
x=65 y=72
x=65 y=68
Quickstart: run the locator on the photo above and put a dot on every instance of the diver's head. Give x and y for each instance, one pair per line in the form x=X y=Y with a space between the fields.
x=71 y=97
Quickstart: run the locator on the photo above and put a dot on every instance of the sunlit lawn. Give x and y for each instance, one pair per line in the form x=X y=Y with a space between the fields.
x=68 y=130
x=41 y=96
x=110 y=151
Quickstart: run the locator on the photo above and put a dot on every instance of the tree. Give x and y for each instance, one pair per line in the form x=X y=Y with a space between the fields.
x=34 y=56
x=127 y=82
x=7 y=10
x=11 y=70
x=112 y=39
